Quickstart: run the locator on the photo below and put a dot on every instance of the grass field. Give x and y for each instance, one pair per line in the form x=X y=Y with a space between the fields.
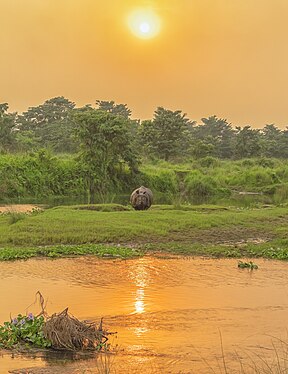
x=189 y=230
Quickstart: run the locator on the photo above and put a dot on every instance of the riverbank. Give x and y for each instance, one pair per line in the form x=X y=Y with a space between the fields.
x=190 y=230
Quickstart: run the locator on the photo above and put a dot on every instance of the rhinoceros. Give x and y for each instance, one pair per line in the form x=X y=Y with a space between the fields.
x=141 y=198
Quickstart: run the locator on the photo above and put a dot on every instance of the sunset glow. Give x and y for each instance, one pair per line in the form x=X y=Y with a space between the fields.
x=190 y=55
x=144 y=23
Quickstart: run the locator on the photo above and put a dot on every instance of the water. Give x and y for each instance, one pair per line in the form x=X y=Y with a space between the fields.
x=170 y=313
x=236 y=200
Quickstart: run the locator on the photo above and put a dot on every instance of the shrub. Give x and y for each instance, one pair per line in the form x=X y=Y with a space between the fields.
x=209 y=162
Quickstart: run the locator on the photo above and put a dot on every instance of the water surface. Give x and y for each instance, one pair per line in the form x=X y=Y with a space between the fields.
x=170 y=313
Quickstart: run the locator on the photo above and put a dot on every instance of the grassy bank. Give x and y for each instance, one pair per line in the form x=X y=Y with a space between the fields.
x=42 y=176
x=201 y=230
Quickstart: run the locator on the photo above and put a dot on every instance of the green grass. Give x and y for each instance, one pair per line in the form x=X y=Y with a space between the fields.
x=43 y=176
x=201 y=230
x=55 y=251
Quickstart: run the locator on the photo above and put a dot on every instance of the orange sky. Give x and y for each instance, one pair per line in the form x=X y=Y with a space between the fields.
x=223 y=57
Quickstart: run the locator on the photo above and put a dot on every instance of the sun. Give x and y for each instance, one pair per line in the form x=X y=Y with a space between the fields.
x=144 y=23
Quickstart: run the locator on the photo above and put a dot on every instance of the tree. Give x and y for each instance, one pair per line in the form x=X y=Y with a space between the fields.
x=166 y=135
x=248 y=142
x=50 y=124
x=216 y=135
x=283 y=144
x=272 y=137
x=7 y=129
x=106 y=143
x=111 y=107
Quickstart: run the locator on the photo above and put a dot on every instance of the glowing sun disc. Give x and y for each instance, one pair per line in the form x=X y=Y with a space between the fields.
x=144 y=23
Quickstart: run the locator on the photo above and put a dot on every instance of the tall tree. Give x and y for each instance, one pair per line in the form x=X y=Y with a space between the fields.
x=50 y=124
x=271 y=137
x=111 y=107
x=248 y=142
x=216 y=135
x=166 y=135
x=105 y=144
x=282 y=146
x=7 y=129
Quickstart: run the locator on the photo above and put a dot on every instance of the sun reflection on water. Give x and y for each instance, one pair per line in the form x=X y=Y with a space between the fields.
x=139 y=274
x=139 y=302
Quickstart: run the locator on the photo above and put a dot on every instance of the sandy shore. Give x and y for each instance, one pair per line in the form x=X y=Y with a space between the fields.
x=19 y=208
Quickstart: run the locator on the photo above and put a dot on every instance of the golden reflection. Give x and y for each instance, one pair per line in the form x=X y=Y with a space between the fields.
x=139 y=303
x=139 y=274
x=140 y=330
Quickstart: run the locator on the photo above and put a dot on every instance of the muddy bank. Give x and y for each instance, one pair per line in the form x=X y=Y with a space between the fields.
x=19 y=208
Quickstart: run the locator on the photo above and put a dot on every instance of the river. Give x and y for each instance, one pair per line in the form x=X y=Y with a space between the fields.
x=172 y=315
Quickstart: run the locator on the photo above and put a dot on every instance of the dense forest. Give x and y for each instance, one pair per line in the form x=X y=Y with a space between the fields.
x=61 y=150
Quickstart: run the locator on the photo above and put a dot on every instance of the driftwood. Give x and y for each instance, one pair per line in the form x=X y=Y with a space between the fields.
x=141 y=198
x=67 y=332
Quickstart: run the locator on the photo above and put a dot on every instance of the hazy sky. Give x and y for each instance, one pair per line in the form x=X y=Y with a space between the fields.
x=223 y=57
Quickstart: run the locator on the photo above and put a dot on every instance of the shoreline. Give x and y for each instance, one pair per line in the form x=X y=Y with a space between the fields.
x=108 y=232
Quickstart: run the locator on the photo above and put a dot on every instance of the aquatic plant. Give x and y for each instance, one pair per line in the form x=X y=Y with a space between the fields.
x=59 y=331
x=24 y=330
x=247 y=265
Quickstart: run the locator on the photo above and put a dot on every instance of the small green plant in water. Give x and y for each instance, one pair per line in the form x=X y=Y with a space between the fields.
x=24 y=330
x=247 y=265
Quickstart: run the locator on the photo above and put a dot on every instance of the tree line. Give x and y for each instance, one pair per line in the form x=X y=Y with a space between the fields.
x=107 y=145
x=58 y=125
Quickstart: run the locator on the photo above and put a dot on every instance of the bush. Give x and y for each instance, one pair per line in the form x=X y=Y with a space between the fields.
x=209 y=162
x=159 y=180
x=198 y=184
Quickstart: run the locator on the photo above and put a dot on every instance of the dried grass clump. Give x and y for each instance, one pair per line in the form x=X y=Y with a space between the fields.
x=67 y=332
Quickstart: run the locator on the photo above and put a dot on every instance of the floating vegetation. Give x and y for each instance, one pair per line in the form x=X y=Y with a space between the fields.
x=247 y=265
x=24 y=330
x=61 y=331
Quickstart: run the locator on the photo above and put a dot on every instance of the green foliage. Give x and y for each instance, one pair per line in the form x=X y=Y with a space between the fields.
x=42 y=175
x=247 y=265
x=248 y=142
x=170 y=135
x=209 y=162
x=166 y=135
x=39 y=174
x=281 y=193
x=159 y=179
x=55 y=251
x=216 y=138
x=23 y=330
x=253 y=177
x=111 y=107
x=7 y=129
x=105 y=143
x=103 y=207
x=48 y=125
x=192 y=230
x=15 y=217
x=199 y=184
